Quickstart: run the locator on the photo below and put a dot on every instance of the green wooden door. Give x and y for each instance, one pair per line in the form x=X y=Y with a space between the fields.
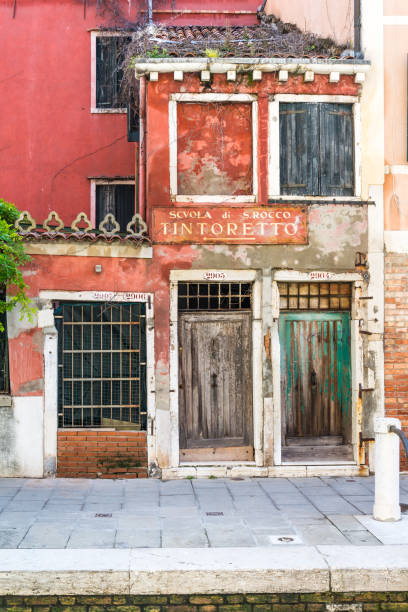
x=315 y=373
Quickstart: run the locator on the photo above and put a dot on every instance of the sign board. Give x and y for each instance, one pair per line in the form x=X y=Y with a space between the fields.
x=219 y=225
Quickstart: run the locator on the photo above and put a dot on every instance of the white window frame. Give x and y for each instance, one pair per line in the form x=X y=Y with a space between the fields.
x=94 y=109
x=94 y=183
x=274 y=145
x=248 y=276
x=46 y=297
x=211 y=97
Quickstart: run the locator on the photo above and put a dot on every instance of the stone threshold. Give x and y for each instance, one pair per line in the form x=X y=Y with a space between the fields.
x=236 y=470
x=281 y=569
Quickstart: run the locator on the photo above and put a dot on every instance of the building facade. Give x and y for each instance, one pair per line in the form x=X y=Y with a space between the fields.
x=208 y=266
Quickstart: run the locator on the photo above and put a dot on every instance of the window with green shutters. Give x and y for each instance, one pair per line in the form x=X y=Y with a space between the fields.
x=316 y=149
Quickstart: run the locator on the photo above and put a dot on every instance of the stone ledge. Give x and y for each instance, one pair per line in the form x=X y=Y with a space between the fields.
x=299 y=569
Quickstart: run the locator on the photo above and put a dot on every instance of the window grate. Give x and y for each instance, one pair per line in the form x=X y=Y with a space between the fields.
x=214 y=296
x=315 y=296
x=101 y=365
x=109 y=71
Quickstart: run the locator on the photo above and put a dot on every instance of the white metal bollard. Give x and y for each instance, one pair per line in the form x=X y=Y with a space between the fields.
x=386 y=502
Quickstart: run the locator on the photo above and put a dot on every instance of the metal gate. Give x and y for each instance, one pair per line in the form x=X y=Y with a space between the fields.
x=101 y=365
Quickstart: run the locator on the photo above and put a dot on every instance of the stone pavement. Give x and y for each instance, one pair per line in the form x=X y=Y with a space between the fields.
x=258 y=512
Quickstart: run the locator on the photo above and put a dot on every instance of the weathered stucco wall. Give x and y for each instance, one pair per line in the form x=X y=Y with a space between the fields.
x=332 y=18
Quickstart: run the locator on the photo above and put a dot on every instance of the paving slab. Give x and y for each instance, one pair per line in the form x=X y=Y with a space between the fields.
x=361 y=538
x=201 y=513
x=138 y=538
x=323 y=533
x=46 y=536
x=184 y=538
x=88 y=538
x=387 y=532
x=223 y=537
x=345 y=522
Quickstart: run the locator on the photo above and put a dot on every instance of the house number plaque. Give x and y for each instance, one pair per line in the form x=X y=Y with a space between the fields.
x=244 y=225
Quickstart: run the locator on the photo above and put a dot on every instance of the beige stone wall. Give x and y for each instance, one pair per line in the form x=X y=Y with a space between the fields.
x=396 y=154
x=333 y=18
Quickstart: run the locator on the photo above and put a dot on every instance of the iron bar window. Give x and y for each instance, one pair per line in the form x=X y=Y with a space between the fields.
x=101 y=365
x=109 y=72
x=315 y=296
x=214 y=296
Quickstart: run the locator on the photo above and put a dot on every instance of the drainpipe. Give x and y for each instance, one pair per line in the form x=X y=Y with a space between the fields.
x=357 y=26
x=150 y=11
x=142 y=147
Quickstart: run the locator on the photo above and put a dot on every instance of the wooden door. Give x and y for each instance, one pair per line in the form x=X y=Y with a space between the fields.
x=315 y=373
x=215 y=386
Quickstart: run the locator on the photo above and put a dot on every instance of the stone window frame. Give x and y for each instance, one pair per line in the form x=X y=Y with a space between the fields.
x=104 y=181
x=274 y=190
x=94 y=109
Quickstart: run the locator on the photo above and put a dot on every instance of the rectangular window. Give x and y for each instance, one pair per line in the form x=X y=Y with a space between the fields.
x=214 y=296
x=315 y=296
x=102 y=365
x=117 y=199
x=4 y=360
x=213 y=147
x=109 y=73
x=316 y=149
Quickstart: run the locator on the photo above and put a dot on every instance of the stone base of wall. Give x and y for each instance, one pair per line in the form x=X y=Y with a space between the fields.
x=282 y=602
x=88 y=453
x=396 y=340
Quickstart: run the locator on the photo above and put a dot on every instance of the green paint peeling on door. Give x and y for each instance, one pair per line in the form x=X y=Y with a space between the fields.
x=316 y=373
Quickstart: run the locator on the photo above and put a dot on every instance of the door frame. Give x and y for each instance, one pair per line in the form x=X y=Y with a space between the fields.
x=47 y=322
x=356 y=352
x=228 y=276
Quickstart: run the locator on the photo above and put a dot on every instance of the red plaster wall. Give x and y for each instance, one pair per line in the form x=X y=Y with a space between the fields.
x=101 y=454
x=158 y=181
x=50 y=142
x=214 y=148
x=396 y=341
x=78 y=274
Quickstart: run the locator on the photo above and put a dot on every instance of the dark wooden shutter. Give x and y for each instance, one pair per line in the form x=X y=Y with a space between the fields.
x=124 y=204
x=336 y=150
x=116 y=199
x=299 y=148
x=133 y=123
x=105 y=71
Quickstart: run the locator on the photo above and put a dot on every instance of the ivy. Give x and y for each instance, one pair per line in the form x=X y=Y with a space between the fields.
x=12 y=257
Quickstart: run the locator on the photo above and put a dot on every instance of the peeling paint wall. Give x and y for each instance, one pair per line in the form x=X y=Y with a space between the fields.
x=214 y=158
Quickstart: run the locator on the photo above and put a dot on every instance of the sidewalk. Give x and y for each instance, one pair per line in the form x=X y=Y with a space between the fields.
x=150 y=538
x=247 y=513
